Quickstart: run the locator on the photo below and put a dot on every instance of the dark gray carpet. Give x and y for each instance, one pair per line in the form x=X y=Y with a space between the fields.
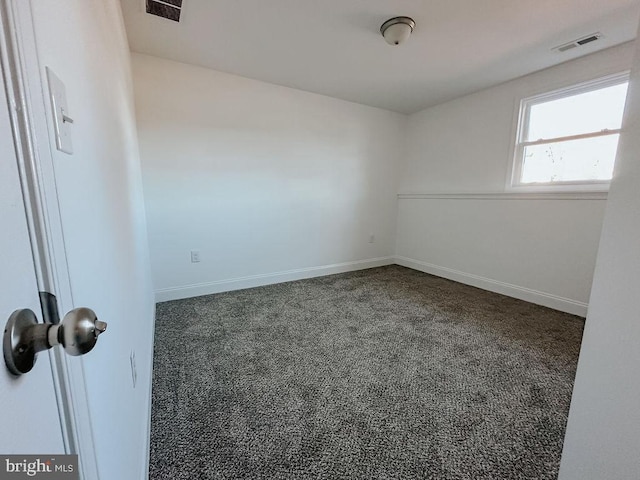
x=386 y=373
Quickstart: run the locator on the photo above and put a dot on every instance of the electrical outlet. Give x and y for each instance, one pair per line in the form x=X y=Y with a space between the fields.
x=372 y=238
x=195 y=256
x=134 y=369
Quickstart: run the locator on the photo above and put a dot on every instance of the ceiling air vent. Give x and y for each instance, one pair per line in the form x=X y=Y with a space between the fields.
x=169 y=9
x=579 y=42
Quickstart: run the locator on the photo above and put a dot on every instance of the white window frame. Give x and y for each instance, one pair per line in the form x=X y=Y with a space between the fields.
x=522 y=126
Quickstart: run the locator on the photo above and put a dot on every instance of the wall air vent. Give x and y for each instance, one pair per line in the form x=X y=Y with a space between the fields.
x=579 y=42
x=169 y=9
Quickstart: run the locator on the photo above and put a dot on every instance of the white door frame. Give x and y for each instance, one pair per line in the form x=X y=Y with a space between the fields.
x=30 y=111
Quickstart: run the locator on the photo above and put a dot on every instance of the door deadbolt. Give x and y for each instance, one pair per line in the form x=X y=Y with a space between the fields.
x=24 y=337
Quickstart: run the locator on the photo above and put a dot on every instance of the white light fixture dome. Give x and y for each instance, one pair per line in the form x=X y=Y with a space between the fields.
x=397 y=29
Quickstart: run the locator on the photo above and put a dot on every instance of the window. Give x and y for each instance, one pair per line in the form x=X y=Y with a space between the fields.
x=570 y=137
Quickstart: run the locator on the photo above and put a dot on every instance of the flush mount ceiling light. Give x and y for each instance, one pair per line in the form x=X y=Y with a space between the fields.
x=397 y=29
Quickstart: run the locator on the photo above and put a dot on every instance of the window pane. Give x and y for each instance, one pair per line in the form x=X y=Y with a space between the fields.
x=575 y=160
x=584 y=113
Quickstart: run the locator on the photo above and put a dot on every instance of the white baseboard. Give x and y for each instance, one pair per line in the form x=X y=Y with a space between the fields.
x=527 y=294
x=522 y=293
x=196 y=290
x=144 y=474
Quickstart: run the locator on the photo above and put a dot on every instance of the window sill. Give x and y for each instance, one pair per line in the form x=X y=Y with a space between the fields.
x=595 y=187
x=582 y=195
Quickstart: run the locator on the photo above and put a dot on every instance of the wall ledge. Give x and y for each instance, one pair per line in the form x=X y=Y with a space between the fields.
x=549 y=300
x=505 y=196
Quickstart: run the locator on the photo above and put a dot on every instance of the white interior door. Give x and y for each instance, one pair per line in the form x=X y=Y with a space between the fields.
x=45 y=411
x=30 y=417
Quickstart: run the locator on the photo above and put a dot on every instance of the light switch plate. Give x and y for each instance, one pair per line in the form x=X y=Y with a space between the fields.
x=61 y=120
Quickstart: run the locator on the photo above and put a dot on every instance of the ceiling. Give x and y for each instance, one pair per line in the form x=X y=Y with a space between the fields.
x=334 y=47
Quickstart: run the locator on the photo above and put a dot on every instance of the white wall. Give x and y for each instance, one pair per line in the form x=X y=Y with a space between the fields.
x=603 y=432
x=541 y=250
x=100 y=195
x=267 y=182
